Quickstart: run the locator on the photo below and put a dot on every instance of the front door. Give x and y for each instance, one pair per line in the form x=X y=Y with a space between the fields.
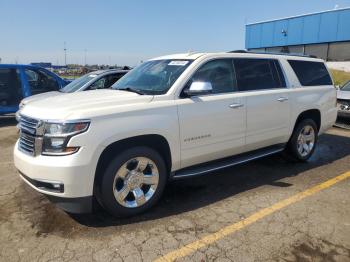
x=212 y=126
x=10 y=90
x=40 y=81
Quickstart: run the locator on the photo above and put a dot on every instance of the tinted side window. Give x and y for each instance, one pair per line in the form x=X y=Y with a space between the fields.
x=106 y=81
x=311 y=73
x=99 y=84
x=219 y=73
x=257 y=74
x=114 y=78
x=10 y=87
x=4 y=78
x=279 y=72
x=40 y=81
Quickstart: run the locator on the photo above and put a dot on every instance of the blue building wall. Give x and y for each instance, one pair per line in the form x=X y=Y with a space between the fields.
x=329 y=26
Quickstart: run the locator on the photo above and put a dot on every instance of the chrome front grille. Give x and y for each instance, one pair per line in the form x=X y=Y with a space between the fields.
x=27 y=143
x=28 y=127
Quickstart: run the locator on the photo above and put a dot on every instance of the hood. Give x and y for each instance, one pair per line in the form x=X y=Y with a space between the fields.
x=343 y=94
x=81 y=105
x=39 y=96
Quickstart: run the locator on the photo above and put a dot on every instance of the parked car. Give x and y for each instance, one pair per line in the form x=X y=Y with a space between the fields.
x=20 y=81
x=94 y=80
x=172 y=117
x=343 y=97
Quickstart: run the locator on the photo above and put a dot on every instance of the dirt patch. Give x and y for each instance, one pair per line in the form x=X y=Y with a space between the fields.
x=320 y=251
x=42 y=216
x=9 y=140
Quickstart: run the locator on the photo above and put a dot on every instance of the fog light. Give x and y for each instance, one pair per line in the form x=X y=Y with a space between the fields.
x=56 y=186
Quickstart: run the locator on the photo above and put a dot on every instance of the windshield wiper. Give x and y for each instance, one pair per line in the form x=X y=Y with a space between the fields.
x=130 y=89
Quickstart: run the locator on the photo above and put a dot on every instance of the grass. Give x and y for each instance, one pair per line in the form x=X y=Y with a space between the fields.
x=71 y=77
x=340 y=77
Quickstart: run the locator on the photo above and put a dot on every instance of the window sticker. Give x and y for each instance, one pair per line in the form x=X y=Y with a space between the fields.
x=178 y=63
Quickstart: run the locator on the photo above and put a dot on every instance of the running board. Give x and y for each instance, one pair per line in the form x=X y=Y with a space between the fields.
x=226 y=162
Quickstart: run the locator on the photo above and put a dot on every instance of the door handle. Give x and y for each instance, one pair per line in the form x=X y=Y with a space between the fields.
x=282 y=99
x=236 y=105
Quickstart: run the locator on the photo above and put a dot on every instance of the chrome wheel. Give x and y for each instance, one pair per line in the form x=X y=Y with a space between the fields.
x=135 y=182
x=306 y=140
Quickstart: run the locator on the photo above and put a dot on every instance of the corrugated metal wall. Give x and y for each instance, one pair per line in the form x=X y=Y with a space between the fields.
x=329 y=26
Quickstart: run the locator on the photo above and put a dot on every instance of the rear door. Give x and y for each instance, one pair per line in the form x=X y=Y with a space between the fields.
x=268 y=108
x=10 y=88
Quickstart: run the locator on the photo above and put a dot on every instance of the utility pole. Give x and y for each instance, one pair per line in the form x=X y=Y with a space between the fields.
x=85 y=56
x=65 y=53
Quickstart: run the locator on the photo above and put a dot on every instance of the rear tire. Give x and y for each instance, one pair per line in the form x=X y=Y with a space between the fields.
x=303 y=142
x=133 y=182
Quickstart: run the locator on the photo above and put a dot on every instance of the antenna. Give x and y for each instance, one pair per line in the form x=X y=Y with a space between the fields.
x=65 y=53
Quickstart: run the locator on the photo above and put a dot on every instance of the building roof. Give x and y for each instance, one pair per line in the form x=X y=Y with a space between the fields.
x=322 y=27
x=296 y=16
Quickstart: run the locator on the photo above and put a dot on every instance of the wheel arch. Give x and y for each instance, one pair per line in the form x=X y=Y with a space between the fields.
x=314 y=114
x=154 y=141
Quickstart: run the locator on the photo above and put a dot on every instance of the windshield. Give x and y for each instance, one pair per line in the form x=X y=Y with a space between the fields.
x=346 y=87
x=153 y=77
x=77 y=83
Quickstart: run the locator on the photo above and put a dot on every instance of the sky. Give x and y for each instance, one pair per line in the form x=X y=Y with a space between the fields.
x=127 y=32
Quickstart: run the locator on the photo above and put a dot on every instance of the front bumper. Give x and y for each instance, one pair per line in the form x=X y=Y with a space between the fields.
x=344 y=113
x=343 y=107
x=66 y=180
x=77 y=205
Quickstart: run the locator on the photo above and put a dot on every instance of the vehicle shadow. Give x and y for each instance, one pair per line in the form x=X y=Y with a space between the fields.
x=193 y=193
x=9 y=120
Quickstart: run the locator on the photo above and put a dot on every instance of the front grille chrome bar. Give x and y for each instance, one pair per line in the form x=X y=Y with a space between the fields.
x=30 y=140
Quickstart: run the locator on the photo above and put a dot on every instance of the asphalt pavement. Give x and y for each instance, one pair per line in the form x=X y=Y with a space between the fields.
x=265 y=210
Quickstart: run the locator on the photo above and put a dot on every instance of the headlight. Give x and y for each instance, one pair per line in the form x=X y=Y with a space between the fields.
x=56 y=137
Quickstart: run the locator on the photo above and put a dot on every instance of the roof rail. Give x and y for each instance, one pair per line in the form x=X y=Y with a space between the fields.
x=273 y=53
x=238 y=51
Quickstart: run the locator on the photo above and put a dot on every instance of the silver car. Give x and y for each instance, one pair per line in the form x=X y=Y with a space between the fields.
x=100 y=79
x=343 y=98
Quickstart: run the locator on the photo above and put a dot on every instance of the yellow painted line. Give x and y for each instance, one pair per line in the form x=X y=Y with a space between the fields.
x=209 y=239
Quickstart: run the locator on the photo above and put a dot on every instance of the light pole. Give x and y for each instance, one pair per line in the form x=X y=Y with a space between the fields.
x=65 y=54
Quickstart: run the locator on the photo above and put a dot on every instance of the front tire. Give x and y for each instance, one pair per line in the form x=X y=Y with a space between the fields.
x=302 y=144
x=133 y=182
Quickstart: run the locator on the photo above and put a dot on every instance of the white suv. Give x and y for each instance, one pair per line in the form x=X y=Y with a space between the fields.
x=171 y=117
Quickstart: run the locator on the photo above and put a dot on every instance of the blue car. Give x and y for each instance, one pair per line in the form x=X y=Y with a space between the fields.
x=20 y=81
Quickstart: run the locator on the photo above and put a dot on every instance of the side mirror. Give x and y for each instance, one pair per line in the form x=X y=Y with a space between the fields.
x=199 y=88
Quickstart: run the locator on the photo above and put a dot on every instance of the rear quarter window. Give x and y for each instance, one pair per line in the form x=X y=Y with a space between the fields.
x=311 y=73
